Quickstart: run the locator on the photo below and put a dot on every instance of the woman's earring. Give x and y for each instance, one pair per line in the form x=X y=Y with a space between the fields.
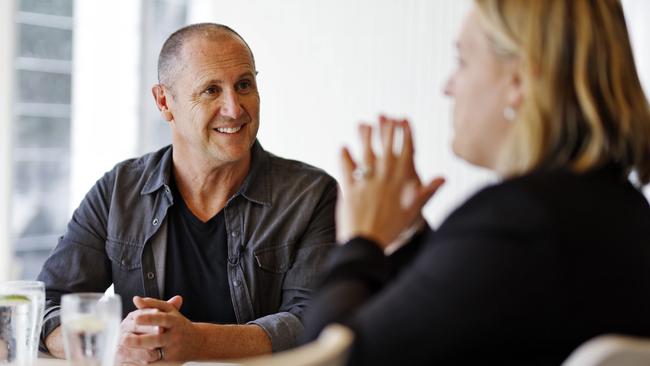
x=509 y=113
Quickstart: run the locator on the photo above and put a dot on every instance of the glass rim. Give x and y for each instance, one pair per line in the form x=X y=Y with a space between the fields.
x=22 y=283
x=75 y=296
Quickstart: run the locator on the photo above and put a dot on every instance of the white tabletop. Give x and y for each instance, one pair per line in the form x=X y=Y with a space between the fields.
x=49 y=361
x=58 y=362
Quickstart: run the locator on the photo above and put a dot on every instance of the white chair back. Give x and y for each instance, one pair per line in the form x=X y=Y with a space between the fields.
x=611 y=350
x=330 y=349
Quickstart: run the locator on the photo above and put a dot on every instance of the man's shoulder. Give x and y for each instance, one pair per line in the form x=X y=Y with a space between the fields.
x=288 y=179
x=295 y=168
x=135 y=173
x=144 y=162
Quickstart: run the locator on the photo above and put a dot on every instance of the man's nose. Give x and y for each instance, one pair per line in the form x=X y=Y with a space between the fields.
x=231 y=107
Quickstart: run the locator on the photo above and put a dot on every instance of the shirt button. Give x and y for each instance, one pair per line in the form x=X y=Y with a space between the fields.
x=155 y=221
x=123 y=262
x=150 y=275
x=234 y=234
x=235 y=283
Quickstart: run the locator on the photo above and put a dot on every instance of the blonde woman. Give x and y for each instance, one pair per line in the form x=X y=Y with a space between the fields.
x=546 y=94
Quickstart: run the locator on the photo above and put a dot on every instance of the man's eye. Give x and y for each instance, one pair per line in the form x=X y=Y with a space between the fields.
x=244 y=85
x=211 y=90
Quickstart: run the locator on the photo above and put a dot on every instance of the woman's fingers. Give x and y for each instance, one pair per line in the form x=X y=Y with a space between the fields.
x=407 y=140
x=426 y=192
x=348 y=166
x=387 y=130
x=365 y=131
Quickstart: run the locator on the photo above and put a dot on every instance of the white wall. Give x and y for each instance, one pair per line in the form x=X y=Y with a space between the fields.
x=637 y=13
x=6 y=97
x=326 y=65
x=104 y=89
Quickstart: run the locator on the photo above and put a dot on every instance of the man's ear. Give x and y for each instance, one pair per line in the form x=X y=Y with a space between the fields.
x=160 y=96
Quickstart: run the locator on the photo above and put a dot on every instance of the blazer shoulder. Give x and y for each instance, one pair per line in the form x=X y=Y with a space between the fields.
x=516 y=205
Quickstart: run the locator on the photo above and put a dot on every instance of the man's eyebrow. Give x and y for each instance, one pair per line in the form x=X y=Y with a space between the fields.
x=219 y=81
x=209 y=82
x=247 y=74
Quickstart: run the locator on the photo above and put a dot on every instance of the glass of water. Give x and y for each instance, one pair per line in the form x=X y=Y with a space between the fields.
x=91 y=324
x=21 y=318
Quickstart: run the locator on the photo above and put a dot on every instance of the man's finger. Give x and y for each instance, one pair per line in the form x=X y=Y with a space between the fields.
x=143 y=341
x=132 y=327
x=151 y=303
x=177 y=301
x=129 y=326
x=157 y=320
x=136 y=356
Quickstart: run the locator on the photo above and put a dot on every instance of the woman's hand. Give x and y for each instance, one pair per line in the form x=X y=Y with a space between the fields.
x=383 y=195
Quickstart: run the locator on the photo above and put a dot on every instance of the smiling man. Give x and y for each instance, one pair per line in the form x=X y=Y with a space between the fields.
x=213 y=243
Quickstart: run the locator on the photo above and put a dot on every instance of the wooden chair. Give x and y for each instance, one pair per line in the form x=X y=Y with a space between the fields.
x=330 y=349
x=611 y=350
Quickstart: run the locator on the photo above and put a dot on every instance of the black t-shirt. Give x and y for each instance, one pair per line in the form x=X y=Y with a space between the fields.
x=196 y=265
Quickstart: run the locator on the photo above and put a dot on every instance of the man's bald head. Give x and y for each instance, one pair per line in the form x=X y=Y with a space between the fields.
x=169 y=59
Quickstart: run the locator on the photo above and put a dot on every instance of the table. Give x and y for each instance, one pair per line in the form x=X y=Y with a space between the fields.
x=59 y=362
x=49 y=361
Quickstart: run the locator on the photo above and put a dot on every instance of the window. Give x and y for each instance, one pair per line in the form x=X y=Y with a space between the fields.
x=40 y=128
x=52 y=125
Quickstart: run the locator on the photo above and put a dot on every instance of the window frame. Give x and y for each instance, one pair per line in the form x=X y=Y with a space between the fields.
x=7 y=39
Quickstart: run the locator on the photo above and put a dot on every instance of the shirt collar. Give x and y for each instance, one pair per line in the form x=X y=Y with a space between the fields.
x=256 y=187
x=160 y=172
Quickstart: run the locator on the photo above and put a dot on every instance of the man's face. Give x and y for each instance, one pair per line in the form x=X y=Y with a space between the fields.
x=214 y=102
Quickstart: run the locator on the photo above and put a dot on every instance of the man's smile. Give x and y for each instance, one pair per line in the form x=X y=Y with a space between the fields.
x=228 y=130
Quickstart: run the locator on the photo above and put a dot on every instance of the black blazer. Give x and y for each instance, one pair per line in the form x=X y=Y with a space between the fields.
x=522 y=273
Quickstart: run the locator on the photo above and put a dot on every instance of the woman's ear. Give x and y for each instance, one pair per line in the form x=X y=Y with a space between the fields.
x=516 y=91
x=160 y=97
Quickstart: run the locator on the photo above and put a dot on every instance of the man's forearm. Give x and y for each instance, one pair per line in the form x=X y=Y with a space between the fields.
x=220 y=341
x=232 y=341
x=54 y=343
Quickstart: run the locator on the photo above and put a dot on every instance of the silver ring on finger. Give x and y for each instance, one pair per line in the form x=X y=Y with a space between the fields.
x=362 y=172
x=161 y=353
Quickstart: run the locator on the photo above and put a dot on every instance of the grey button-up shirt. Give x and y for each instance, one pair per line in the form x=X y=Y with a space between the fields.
x=280 y=227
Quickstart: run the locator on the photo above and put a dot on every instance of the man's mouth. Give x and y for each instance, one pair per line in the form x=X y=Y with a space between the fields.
x=228 y=130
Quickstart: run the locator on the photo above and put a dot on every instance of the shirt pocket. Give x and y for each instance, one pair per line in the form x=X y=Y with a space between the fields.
x=125 y=256
x=275 y=259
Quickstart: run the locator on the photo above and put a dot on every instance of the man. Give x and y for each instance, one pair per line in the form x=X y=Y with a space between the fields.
x=231 y=235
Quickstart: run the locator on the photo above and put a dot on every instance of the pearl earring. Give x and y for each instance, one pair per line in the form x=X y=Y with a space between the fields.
x=509 y=113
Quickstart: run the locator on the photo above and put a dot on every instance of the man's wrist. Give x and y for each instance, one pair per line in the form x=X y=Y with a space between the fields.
x=219 y=341
x=54 y=343
x=203 y=332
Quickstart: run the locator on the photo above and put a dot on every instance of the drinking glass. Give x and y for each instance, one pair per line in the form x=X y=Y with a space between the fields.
x=91 y=324
x=21 y=317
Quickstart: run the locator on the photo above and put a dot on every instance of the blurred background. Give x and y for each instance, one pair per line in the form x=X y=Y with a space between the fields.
x=76 y=75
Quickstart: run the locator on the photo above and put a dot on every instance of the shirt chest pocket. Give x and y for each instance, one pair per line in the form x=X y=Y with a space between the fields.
x=124 y=256
x=276 y=259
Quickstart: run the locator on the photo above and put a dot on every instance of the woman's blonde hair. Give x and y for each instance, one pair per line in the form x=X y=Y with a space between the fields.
x=584 y=105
